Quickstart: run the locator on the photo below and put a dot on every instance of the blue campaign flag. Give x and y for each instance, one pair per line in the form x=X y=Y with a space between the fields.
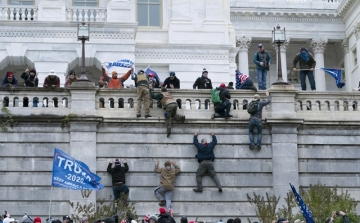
x=304 y=209
x=73 y=174
x=335 y=73
x=148 y=71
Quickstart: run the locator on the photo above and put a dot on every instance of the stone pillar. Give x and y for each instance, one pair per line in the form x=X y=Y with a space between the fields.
x=180 y=11
x=284 y=125
x=214 y=10
x=356 y=75
x=319 y=46
x=121 y=11
x=283 y=49
x=52 y=10
x=347 y=65
x=243 y=58
x=232 y=64
x=83 y=98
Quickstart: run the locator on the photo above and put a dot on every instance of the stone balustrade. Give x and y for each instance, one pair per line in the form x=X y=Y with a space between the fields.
x=79 y=14
x=193 y=103
x=18 y=13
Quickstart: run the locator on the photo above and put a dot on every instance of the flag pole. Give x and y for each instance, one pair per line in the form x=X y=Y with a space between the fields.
x=320 y=69
x=50 y=201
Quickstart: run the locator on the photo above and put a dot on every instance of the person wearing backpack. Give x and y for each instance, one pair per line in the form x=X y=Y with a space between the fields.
x=165 y=217
x=167 y=182
x=222 y=107
x=262 y=59
x=255 y=109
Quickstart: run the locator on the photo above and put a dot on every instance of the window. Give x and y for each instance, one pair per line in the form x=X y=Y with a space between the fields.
x=90 y=3
x=21 y=2
x=355 y=57
x=148 y=12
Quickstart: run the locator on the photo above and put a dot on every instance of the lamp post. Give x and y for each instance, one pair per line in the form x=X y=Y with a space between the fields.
x=278 y=36
x=83 y=33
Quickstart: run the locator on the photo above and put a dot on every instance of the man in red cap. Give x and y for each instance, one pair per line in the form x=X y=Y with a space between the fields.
x=164 y=217
x=222 y=108
x=9 y=80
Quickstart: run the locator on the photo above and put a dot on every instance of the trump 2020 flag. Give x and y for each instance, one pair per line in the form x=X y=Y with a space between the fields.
x=335 y=73
x=148 y=71
x=304 y=209
x=73 y=174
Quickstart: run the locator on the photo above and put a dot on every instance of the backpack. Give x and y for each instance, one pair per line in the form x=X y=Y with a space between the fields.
x=253 y=107
x=215 y=96
x=165 y=220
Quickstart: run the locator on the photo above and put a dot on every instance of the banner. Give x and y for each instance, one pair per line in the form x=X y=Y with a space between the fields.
x=304 y=209
x=73 y=174
x=118 y=66
x=335 y=73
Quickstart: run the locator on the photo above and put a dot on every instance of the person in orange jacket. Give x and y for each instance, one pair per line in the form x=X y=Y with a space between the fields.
x=114 y=82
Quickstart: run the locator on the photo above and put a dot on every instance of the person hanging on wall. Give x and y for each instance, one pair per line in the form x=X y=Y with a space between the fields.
x=118 y=179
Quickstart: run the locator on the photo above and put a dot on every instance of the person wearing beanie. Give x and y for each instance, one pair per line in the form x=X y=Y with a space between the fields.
x=262 y=59
x=30 y=78
x=9 y=80
x=183 y=219
x=165 y=217
x=66 y=219
x=72 y=78
x=114 y=82
x=243 y=81
x=203 y=82
x=171 y=82
x=307 y=65
x=230 y=86
x=167 y=182
x=222 y=109
x=118 y=179
x=143 y=93
x=170 y=105
x=26 y=219
x=205 y=156
x=52 y=80
x=153 y=219
x=256 y=119
x=37 y=220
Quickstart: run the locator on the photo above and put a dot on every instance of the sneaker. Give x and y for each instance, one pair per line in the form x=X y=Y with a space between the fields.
x=258 y=147
x=162 y=203
x=147 y=116
x=220 y=190
x=183 y=119
x=138 y=116
x=168 y=134
x=252 y=147
x=212 y=116
x=197 y=190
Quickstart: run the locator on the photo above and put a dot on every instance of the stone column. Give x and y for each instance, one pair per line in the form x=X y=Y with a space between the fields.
x=347 y=65
x=356 y=75
x=283 y=49
x=83 y=98
x=243 y=58
x=232 y=64
x=319 y=46
x=180 y=11
x=214 y=10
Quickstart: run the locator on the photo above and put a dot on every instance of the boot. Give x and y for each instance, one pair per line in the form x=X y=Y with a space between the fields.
x=253 y=88
x=183 y=119
x=162 y=203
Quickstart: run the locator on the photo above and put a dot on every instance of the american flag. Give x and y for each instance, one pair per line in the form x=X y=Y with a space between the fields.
x=304 y=209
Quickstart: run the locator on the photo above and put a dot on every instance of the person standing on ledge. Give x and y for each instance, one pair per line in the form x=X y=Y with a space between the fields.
x=262 y=59
x=205 y=157
x=307 y=64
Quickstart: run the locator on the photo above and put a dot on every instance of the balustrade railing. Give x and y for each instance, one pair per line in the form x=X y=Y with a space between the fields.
x=18 y=13
x=307 y=105
x=79 y=14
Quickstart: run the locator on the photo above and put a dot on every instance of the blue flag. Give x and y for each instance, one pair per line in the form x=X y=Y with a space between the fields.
x=73 y=174
x=304 y=209
x=148 y=71
x=335 y=73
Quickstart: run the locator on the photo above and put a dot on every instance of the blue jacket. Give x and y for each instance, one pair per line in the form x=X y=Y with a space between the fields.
x=5 y=81
x=257 y=61
x=205 y=152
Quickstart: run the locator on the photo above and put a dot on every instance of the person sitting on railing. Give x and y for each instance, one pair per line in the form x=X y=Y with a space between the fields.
x=30 y=78
x=243 y=81
x=114 y=82
x=52 y=81
x=222 y=109
x=9 y=80
x=72 y=77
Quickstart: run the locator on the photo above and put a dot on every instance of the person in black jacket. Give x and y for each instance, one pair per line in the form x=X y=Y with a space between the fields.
x=30 y=79
x=165 y=217
x=171 y=82
x=118 y=178
x=222 y=108
x=205 y=157
x=203 y=82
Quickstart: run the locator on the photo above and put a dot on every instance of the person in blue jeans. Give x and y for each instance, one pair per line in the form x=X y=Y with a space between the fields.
x=118 y=179
x=256 y=121
x=262 y=59
x=307 y=64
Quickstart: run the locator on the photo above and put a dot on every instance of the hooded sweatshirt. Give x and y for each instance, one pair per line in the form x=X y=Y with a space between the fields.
x=30 y=81
x=167 y=176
